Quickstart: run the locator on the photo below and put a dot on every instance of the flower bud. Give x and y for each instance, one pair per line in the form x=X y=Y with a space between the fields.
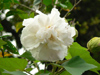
x=76 y=35
x=94 y=45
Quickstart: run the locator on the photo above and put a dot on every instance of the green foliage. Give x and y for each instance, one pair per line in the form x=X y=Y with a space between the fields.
x=28 y=69
x=67 y=5
x=36 y=2
x=65 y=73
x=47 y=2
x=1 y=27
x=11 y=48
x=2 y=42
x=6 y=4
x=14 y=72
x=28 y=55
x=18 y=26
x=13 y=64
x=77 y=50
x=42 y=72
x=76 y=66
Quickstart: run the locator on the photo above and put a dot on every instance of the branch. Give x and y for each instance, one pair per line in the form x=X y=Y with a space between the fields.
x=27 y=7
x=72 y=8
x=55 y=3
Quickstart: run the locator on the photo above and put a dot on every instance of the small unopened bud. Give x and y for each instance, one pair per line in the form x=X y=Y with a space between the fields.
x=76 y=35
x=94 y=45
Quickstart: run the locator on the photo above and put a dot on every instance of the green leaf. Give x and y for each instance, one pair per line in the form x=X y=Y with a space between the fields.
x=1 y=27
x=31 y=15
x=65 y=73
x=15 y=1
x=42 y=72
x=28 y=55
x=77 y=50
x=47 y=2
x=28 y=69
x=36 y=2
x=10 y=47
x=2 y=42
x=69 y=4
x=68 y=56
x=23 y=16
x=13 y=64
x=18 y=26
x=77 y=66
x=14 y=72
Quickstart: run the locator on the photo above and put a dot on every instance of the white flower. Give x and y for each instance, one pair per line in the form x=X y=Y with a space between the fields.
x=47 y=37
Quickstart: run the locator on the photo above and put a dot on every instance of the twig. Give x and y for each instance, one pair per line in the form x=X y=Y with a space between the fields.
x=27 y=7
x=28 y=72
x=72 y=8
x=55 y=3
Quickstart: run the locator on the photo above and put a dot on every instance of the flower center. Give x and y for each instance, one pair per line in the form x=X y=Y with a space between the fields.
x=51 y=38
x=48 y=27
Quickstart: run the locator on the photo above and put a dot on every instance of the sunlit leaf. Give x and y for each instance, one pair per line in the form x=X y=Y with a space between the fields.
x=13 y=64
x=5 y=54
x=31 y=15
x=18 y=26
x=77 y=66
x=1 y=27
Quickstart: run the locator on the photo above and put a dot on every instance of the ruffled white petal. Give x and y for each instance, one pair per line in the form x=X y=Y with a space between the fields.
x=47 y=37
x=27 y=22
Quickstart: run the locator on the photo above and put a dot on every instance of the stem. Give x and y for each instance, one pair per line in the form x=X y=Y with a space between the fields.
x=27 y=7
x=2 y=53
x=55 y=3
x=72 y=8
x=37 y=66
x=53 y=70
x=28 y=72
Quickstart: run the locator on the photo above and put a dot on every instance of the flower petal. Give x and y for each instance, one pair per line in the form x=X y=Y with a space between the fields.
x=27 y=22
x=30 y=42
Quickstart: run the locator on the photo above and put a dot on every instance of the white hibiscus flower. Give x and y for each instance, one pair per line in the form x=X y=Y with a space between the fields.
x=47 y=37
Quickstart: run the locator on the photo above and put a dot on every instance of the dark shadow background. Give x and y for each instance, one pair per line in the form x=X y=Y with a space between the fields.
x=88 y=15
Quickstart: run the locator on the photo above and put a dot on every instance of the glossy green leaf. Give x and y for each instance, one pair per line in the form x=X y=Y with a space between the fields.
x=28 y=55
x=77 y=66
x=18 y=26
x=13 y=64
x=10 y=47
x=14 y=72
x=2 y=42
x=36 y=2
x=1 y=27
x=47 y=2
x=77 y=50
